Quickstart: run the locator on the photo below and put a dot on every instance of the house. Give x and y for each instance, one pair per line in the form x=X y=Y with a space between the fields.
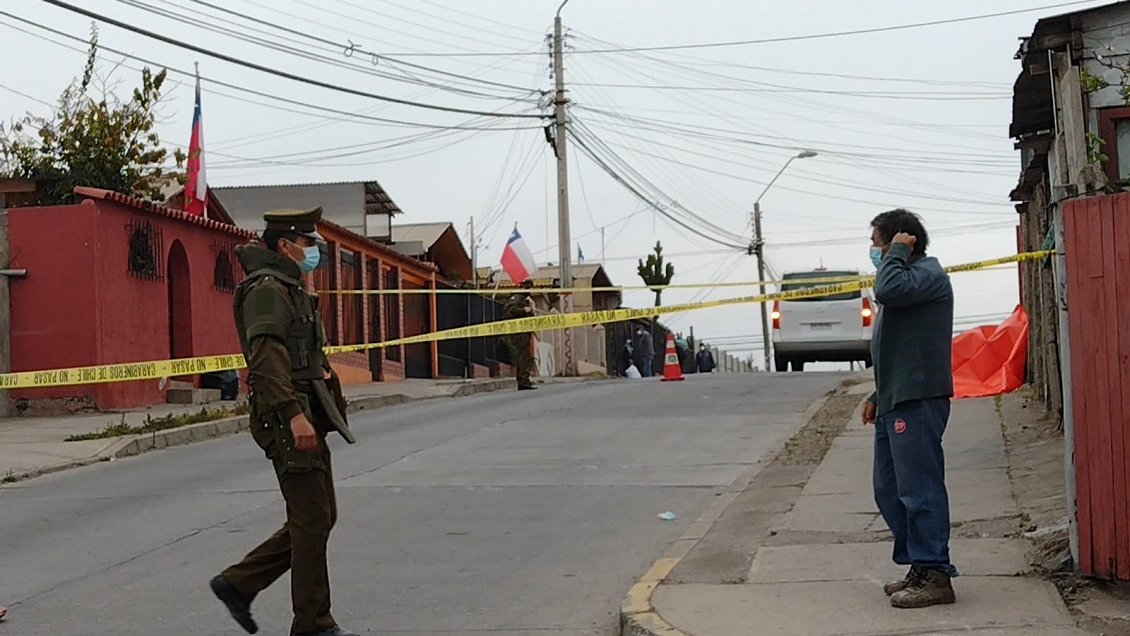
x=365 y=251
x=1071 y=123
x=362 y=207
x=113 y=278
x=352 y=262
x=586 y=276
x=591 y=345
x=436 y=243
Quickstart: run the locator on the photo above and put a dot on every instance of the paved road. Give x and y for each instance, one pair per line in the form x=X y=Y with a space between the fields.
x=507 y=514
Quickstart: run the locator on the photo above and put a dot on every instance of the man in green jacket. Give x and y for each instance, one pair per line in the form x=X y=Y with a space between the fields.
x=295 y=402
x=912 y=351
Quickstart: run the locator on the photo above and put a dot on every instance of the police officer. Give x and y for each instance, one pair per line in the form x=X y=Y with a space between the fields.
x=522 y=306
x=295 y=402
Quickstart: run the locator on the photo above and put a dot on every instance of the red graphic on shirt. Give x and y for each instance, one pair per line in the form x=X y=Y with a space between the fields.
x=900 y=426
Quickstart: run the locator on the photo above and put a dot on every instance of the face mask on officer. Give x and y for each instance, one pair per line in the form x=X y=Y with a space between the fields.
x=306 y=256
x=311 y=256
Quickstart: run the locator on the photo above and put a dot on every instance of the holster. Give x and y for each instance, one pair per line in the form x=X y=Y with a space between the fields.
x=332 y=401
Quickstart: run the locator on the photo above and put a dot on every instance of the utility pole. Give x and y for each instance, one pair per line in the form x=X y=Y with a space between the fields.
x=759 y=251
x=468 y=372
x=564 y=241
x=474 y=256
x=758 y=248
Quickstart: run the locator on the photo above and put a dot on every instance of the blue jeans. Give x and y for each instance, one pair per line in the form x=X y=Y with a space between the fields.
x=646 y=371
x=910 y=482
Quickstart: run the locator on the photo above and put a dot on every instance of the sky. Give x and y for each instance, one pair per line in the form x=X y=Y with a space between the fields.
x=915 y=118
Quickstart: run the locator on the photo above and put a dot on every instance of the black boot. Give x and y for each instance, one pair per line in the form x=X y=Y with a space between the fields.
x=240 y=609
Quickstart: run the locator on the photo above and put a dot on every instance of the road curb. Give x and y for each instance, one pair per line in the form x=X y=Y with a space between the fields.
x=638 y=616
x=203 y=431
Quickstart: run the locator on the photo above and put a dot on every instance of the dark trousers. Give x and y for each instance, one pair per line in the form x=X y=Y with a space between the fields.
x=299 y=546
x=646 y=367
x=910 y=482
x=523 y=358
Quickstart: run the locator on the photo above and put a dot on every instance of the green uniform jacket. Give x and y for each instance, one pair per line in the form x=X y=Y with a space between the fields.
x=279 y=330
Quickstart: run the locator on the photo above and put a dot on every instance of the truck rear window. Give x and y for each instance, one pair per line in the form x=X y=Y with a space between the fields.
x=808 y=280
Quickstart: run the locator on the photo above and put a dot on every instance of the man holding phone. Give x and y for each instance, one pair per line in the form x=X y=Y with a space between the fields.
x=912 y=351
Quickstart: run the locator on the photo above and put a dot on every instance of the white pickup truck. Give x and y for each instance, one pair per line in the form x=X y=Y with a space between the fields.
x=835 y=328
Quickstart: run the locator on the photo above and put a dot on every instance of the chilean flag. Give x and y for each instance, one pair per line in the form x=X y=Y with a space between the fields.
x=196 y=187
x=517 y=259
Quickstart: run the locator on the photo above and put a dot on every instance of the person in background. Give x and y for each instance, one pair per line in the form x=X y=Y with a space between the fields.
x=521 y=305
x=912 y=349
x=704 y=361
x=645 y=352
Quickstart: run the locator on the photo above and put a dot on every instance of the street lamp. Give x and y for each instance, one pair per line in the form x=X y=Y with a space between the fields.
x=758 y=248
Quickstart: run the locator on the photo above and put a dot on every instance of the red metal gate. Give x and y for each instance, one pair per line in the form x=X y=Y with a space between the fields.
x=1097 y=235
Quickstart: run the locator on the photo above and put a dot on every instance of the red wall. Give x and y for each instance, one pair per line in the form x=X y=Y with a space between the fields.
x=53 y=317
x=79 y=304
x=1097 y=234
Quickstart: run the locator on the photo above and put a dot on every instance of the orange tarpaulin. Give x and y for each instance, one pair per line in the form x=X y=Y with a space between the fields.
x=990 y=360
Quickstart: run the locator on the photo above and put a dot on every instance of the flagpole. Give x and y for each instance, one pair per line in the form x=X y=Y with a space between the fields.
x=204 y=203
x=195 y=201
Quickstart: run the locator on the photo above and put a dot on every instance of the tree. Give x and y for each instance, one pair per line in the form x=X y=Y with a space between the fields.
x=655 y=274
x=100 y=141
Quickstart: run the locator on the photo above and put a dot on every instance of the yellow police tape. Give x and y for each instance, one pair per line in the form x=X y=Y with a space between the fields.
x=513 y=289
x=160 y=369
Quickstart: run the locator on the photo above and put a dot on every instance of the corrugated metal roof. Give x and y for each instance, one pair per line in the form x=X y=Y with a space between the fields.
x=426 y=233
x=376 y=198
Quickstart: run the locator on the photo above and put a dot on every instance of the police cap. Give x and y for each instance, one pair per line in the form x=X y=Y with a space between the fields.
x=301 y=222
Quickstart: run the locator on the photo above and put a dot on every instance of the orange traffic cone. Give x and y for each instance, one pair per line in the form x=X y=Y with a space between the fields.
x=671 y=368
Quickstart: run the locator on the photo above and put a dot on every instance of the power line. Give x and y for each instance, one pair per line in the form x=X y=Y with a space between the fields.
x=642 y=182
x=251 y=162
x=665 y=211
x=698 y=75
x=26 y=96
x=339 y=45
x=721 y=201
x=279 y=73
x=925 y=95
x=243 y=89
x=879 y=153
x=815 y=179
x=464 y=24
x=833 y=34
x=327 y=121
x=578 y=127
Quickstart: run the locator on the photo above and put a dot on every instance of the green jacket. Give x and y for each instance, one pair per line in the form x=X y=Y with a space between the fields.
x=518 y=305
x=279 y=330
x=912 y=343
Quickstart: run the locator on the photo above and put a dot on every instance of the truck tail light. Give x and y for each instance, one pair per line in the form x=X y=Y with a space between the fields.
x=867 y=312
x=776 y=315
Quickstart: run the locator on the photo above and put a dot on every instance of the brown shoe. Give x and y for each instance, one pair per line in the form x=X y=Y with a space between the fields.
x=931 y=588
x=897 y=586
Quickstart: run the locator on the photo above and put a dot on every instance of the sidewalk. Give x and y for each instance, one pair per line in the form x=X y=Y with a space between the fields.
x=34 y=446
x=816 y=565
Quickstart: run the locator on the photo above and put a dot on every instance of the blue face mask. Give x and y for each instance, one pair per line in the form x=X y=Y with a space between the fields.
x=311 y=257
x=876 y=256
